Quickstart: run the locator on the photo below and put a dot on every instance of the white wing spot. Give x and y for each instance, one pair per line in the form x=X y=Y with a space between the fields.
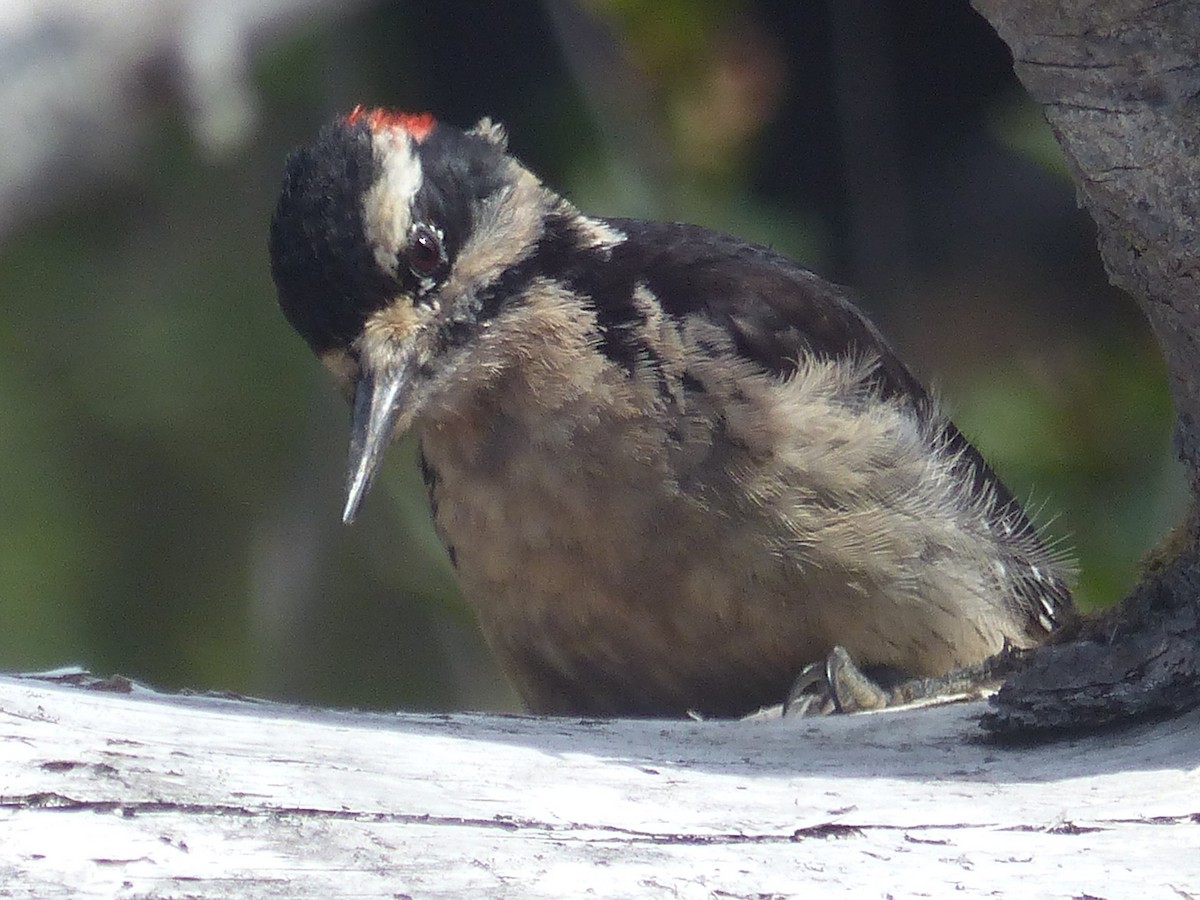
x=599 y=234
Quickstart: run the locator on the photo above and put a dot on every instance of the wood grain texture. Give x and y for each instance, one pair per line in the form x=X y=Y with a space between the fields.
x=138 y=794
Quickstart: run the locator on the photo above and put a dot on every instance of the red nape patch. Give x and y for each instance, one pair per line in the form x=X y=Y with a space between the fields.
x=418 y=125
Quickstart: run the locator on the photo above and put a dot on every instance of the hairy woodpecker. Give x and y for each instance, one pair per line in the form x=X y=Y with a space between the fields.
x=671 y=468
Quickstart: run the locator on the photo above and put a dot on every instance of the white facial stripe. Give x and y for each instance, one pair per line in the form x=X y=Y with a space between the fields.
x=387 y=205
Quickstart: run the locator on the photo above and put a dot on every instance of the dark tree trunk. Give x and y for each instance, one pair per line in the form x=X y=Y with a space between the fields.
x=1120 y=85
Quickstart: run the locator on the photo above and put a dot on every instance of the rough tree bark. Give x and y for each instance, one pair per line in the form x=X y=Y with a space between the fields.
x=1120 y=84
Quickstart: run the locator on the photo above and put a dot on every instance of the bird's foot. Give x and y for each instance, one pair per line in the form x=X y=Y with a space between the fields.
x=838 y=685
x=835 y=685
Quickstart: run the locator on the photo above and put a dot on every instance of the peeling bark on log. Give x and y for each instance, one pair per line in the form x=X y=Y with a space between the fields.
x=1120 y=85
x=105 y=794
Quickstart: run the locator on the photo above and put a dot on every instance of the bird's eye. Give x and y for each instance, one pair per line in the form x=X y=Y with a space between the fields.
x=424 y=251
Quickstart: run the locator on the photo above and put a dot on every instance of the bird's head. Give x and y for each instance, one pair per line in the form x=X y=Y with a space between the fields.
x=389 y=249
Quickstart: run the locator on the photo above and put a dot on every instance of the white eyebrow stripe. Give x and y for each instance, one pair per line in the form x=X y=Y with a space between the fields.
x=387 y=205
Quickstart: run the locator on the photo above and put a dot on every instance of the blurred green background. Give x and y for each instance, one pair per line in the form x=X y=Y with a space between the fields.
x=171 y=455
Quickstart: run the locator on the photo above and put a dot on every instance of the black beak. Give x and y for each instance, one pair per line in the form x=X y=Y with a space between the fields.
x=379 y=398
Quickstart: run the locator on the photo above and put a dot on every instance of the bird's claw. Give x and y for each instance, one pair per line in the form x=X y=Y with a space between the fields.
x=835 y=685
x=838 y=685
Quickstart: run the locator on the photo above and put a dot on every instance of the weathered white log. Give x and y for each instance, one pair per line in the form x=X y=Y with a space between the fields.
x=142 y=794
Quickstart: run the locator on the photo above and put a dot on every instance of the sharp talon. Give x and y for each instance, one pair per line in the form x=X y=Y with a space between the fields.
x=852 y=690
x=835 y=685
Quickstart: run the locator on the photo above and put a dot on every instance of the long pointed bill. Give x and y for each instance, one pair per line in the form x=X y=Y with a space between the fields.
x=378 y=402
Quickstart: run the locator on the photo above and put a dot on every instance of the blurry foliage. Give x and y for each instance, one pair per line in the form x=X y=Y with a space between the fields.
x=1085 y=445
x=172 y=454
x=1020 y=126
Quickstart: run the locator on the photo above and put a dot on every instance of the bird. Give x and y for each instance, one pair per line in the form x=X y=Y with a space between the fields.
x=671 y=468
